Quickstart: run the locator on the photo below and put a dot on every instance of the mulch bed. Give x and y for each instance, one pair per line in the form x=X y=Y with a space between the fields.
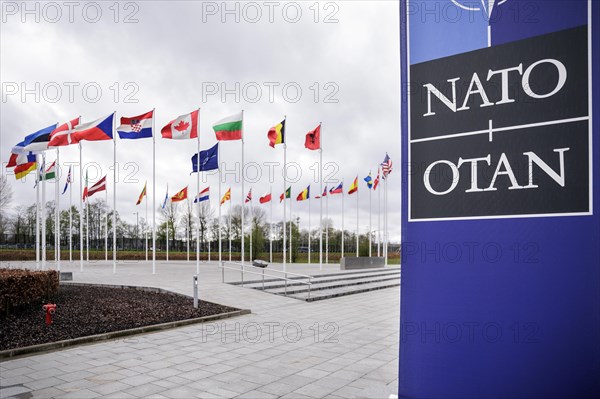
x=83 y=311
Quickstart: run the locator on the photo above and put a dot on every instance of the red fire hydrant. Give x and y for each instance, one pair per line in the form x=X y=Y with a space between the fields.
x=50 y=309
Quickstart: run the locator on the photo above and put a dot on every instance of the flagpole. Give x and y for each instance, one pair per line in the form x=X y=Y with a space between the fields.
x=171 y=205
x=209 y=235
x=370 y=216
x=343 y=195
x=243 y=201
x=57 y=217
x=70 y=216
x=291 y=221
x=153 y=196
x=327 y=229
x=187 y=229
x=251 y=231
x=198 y=203
x=114 y=195
x=229 y=223
x=378 y=219
x=87 y=228
x=220 y=205
x=357 y=226
x=284 y=194
x=80 y=207
x=44 y=211
x=37 y=211
x=106 y=228
x=146 y=227
x=386 y=239
x=309 y=201
x=321 y=203
x=271 y=228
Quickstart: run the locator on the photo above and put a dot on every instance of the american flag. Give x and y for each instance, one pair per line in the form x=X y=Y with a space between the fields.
x=68 y=181
x=386 y=166
x=249 y=196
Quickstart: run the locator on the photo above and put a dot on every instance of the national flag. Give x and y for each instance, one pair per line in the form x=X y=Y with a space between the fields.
x=209 y=159
x=142 y=195
x=287 y=194
x=338 y=190
x=166 y=198
x=50 y=173
x=180 y=196
x=276 y=134
x=304 y=194
x=248 y=197
x=23 y=169
x=98 y=130
x=38 y=141
x=18 y=158
x=99 y=186
x=229 y=128
x=386 y=166
x=376 y=182
x=322 y=195
x=313 y=139
x=265 y=198
x=181 y=128
x=369 y=181
x=136 y=127
x=68 y=181
x=226 y=197
x=354 y=186
x=12 y=161
x=61 y=136
x=85 y=189
x=204 y=195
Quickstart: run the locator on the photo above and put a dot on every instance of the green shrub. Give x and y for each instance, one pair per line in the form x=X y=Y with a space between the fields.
x=20 y=287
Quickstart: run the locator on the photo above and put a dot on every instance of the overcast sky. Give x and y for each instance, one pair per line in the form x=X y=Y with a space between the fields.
x=179 y=56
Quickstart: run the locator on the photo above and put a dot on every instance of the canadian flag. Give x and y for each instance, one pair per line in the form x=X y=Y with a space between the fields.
x=181 y=128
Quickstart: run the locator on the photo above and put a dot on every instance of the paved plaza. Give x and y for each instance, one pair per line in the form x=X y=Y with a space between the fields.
x=337 y=348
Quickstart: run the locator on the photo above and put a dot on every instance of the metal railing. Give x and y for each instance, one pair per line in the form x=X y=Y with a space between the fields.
x=243 y=268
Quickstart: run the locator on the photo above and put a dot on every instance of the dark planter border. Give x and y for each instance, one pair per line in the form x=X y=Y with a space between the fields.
x=9 y=354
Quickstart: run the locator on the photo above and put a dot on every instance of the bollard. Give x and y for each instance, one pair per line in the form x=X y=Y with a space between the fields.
x=196 y=291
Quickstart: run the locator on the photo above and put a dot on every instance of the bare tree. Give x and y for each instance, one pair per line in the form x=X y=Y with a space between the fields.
x=6 y=194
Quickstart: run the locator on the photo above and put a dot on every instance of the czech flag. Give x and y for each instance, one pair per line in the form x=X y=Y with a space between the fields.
x=204 y=195
x=276 y=134
x=136 y=127
x=354 y=186
x=226 y=197
x=98 y=130
x=180 y=196
x=304 y=194
x=264 y=199
x=338 y=190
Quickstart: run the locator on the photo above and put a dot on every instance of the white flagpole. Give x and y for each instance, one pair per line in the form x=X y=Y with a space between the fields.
x=309 y=201
x=208 y=231
x=243 y=192
x=251 y=230
x=44 y=211
x=106 y=228
x=57 y=217
x=321 y=202
x=327 y=229
x=146 y=227
x=291 y=221
x=187 y=230
x=114 y=195
x=386 y=221
x=71 y=216
x=271 y=228
x=87 y=228
x=198 y=203
x=80 y=207
x=357 y=226
x=171 y=205
x=153 y=196
x=370 y=216
x=343 y=195
x=378 y=219
x=229 y=223
x=284 y=192
x=220 y=206
x=37 y=211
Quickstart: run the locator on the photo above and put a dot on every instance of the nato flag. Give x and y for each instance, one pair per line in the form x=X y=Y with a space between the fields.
x=209 y=160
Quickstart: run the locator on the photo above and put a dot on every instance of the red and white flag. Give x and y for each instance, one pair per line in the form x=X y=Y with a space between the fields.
x=61 y=136
x=181 y=128
x=249 y=196
x=99 y=186
x=264 y=199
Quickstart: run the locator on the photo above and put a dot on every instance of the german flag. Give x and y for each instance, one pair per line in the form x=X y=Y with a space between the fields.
x=226 y=197
x=276 y=134
x=304 y=194
x=354 y=186
x=142 y=195
x=180 y=196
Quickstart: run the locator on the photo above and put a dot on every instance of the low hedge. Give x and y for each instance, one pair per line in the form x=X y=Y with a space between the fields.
x=21 y=287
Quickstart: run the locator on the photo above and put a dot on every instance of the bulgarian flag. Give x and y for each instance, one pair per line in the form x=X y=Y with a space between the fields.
x=181 y=128
x=229 y=128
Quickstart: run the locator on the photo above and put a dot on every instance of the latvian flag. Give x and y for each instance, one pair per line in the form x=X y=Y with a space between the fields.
x=204 y=195
x=136 y=127
x=181 y=128
x=100 y=129
x=61 y=136
x=100 y=186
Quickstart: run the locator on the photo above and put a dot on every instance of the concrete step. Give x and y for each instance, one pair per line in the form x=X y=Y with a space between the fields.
x=326 y=285
x=343 y=291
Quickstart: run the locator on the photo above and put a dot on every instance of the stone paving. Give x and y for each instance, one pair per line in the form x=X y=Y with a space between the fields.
x=337 y=348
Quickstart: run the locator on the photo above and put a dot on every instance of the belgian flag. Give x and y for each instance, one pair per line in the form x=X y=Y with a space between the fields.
x=276 y=134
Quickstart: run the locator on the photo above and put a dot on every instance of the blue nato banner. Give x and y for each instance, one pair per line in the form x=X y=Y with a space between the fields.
x=500 y=125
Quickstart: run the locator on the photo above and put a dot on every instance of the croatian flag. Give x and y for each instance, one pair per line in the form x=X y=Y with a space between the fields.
x=136 y=127
x=203 y=196
x=100 y=129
